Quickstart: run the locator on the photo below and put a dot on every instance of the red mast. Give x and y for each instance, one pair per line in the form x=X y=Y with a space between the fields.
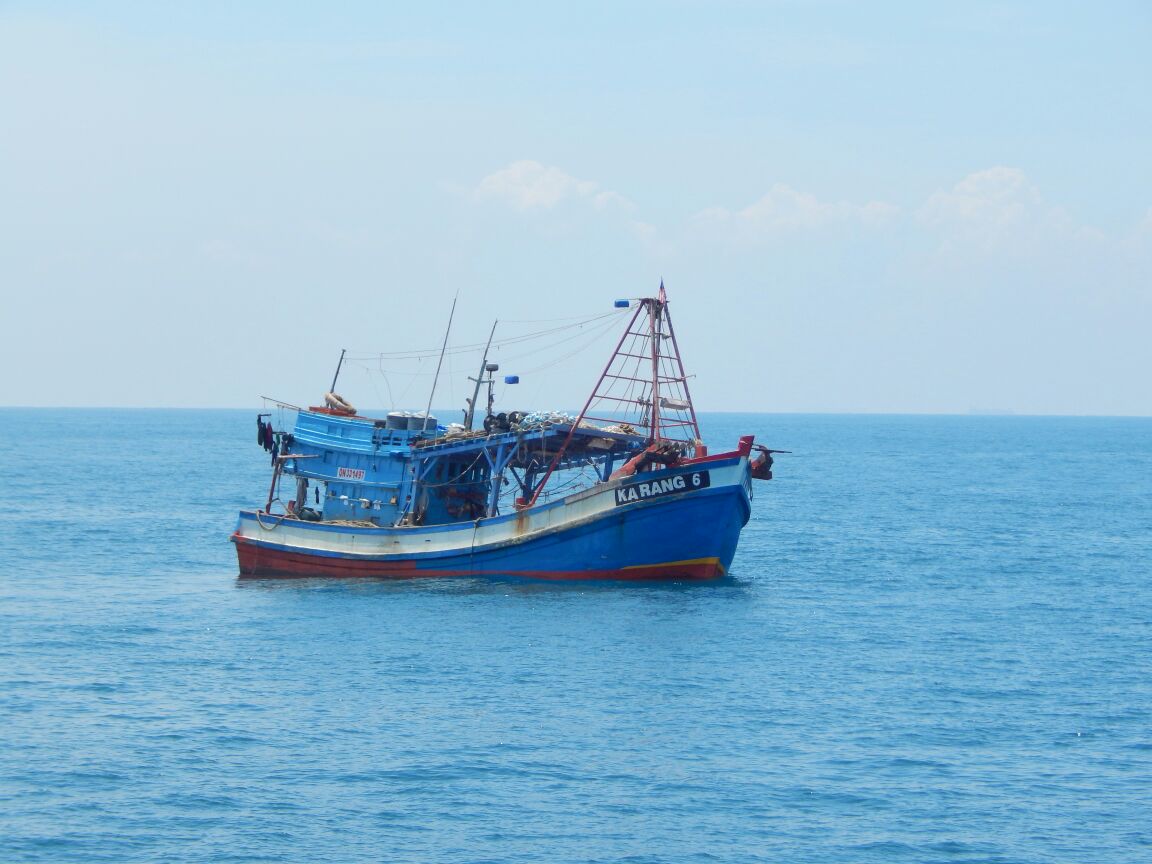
x=643 y=386
x=655 y=310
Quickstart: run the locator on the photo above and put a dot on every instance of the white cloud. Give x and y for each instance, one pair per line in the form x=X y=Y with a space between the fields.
x=786 y=209
x=999 y=208
x=997 y=195
x=530 y=185
x=1142 y=233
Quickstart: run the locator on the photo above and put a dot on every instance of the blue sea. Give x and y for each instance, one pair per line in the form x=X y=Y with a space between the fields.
x=935 y=646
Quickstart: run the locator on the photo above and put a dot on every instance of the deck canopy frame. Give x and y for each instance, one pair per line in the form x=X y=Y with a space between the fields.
x=530 y=457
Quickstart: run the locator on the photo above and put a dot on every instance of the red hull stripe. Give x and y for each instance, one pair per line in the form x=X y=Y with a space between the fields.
x=257 y=560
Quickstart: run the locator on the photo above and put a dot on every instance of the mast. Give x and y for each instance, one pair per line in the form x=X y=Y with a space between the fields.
x=332 y=389
x=683 y=381
x=655 y=312
x=439 y=363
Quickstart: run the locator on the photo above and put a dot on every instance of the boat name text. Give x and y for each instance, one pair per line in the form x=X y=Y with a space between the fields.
x=665 y=486
x=349 y=473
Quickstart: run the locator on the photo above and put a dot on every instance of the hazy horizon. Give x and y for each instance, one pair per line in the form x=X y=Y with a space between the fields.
x=443 y=414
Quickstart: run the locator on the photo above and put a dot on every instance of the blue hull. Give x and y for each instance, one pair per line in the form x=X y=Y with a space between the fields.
x=689 y=536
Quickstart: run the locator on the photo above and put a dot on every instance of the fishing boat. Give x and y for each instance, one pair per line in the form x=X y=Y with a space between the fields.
x=624 y=490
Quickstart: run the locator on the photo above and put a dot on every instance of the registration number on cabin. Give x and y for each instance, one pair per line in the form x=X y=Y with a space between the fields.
x=664 y=486
x=349 y=473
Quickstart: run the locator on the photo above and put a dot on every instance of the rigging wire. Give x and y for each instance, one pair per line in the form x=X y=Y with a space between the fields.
x=423 y=353
x=584 y=333
x=596 y=335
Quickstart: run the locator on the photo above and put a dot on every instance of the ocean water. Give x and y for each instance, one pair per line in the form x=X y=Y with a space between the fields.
x=936 y=646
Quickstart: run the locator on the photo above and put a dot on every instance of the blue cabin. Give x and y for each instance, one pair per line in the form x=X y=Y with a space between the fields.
x=408 y=471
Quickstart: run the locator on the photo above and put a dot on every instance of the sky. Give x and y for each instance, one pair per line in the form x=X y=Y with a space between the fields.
x=855 y=207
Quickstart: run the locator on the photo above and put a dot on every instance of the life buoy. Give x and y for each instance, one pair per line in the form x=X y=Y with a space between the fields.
x=337 y=403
